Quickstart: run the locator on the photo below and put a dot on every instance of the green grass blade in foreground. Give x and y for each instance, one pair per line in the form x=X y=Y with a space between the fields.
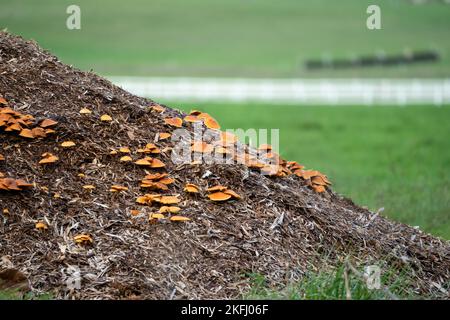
x=15 y=295
x=331 y=285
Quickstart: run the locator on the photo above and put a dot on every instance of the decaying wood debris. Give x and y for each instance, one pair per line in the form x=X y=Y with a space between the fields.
x=101 y=196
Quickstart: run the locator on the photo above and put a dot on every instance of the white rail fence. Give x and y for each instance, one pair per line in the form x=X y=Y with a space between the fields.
x=295 y=91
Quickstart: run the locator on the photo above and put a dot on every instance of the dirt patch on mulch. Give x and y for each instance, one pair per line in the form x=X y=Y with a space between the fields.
x=281 y=227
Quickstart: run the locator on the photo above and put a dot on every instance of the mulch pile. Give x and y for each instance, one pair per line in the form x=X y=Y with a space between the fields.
x=71 y=199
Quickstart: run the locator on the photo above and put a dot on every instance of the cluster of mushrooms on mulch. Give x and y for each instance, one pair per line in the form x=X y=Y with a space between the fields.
x=87 y=184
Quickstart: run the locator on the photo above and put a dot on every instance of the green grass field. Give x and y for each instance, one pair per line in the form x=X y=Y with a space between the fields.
x=392 y=157
x=261 y=38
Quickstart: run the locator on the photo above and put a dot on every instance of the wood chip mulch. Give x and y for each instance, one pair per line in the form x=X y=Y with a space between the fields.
x=77 y=209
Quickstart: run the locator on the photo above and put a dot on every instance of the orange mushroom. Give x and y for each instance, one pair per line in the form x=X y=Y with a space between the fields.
x=85 y=111
x=201 y=147
x=232 y=193
x=156 y=176
x=142 y=200
x=68 y=144
x=83 y=239
x=118 y=188
x=7 y=110
x=26 y=133
x=227 y=138
x=319 y=180
x=23 y=184
x=292 y=165
x=308 y=174
x=158 y=108
x=175 y=122
x=40 y=132
x=216 y=188
x=156 y=163
x=191 y=188
x=255 y=165
x=149 y=148
x=167 y=181
x=135 y=212
x=48 y=123
x=124 y=150
x=9 y=184
x=168 y=200
x=155 y=217
x=164 y=135
x=319 y=188
x=219 y=196
x=48 y=158
x=12 y=184
x=154 y=185
x=191 y=118
x=211 y=123
x=125 y=159
x=106 y=118
x=41 y=225
x=179 y=219
x=144 y=162
x=169 y=209
x=14 y=127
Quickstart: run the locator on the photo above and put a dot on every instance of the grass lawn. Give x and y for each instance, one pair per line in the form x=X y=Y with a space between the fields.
x=263 y=38
x=392 y=157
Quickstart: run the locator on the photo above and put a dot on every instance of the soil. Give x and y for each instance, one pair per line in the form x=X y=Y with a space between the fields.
x=281 y=228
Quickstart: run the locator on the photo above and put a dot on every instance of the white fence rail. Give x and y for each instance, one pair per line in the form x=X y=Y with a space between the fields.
x=295 y=91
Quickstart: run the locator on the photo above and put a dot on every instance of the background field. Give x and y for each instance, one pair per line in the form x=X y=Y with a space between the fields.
x=396 y=158
x=261 y=38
